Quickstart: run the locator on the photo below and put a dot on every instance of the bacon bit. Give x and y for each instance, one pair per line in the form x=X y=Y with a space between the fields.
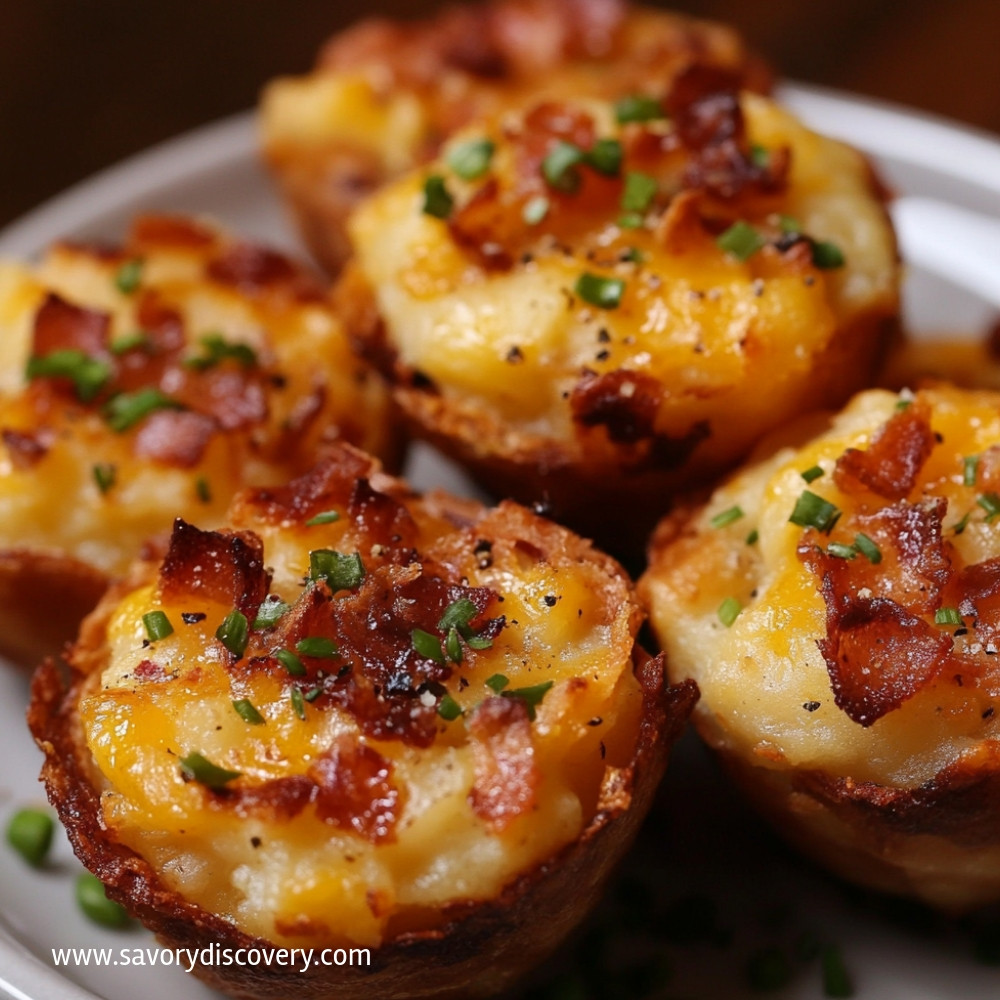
x=487 y=228
x=380 y=516
x=222 y=566
x=174 y=437
x=233 y=397
x=507 y=777
x=26 y=448
x=148 y=671
x=680 y=230
x=978 y=588
x=355 y=791
x=279 y=799
x=988 y=471
x=545 y=125
x=625 y=403
x=252 y=269
x=154 y=231
x=893 y=460
x=60 y=325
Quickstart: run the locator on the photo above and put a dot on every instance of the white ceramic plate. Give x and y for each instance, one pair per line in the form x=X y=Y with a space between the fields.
x=949 y=224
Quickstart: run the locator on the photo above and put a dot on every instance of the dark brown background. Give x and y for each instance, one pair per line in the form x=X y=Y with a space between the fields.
x=84 y=83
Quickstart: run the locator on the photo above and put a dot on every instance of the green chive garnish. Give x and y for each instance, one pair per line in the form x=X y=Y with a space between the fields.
x=789 y=224
x=104 y=475
x=128 y=276
x=448 y=708
x=298 y=703
x=947 y=616
x=606 y=157
x=868 y=548
x=478 y=642
x=535 y=210
x=970 y=467
x=29 y=832
x=203 y=490
x=812 y=511
x=453 y=646
x=638 y=108
x=741 y=240
x=92 y=899
x=760 y=156
x=497 y=682
x=836 y=981
x=639 y=192
x=729 y=611
x=87 y=374
x=290 y=662
x=314 y=693
x=157 y=625
x=427 y=645
x=531 y=696
x=727 y=517
x=990 y=502
x=234 y=632
x=812 y=474
x=215 y=349
x=318 y=646
x=128 y=342
x=195 y=767
x=471 y=159
x=827 y=256
x=605 y=293
x=841 y=551
x=903 y=403
x=437 y=200
x=340 y=571
x=753 y=537
x=458 y=613
x=269 y=612
x=327 y=517
x=128 y=408
x=246 y=711
x=559 y=167
x=960 y=526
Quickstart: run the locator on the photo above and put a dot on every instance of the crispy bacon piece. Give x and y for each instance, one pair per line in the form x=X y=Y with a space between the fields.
x=25 y=448
x=222 y=566
x=507 y=777
x=382 y=517
x=60 y=325
x=274 y=800
x=230 y=394
x=355 y=791
x=487 y=228
x=625 y=403
x=892 y=462
x=252 y=268
x=174 y=437
x=978 y=589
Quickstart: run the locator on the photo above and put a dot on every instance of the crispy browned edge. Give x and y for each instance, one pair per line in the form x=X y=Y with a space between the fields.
x=43 y=598
x=482 y=949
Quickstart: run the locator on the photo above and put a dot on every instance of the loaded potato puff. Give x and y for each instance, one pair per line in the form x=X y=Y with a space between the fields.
x=837 y=604
x=590 y=302
x=384 y=94
x=426 y=730
x=147 y=380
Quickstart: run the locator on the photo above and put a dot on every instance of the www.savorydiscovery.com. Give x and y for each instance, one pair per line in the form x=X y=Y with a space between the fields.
x=213 y=955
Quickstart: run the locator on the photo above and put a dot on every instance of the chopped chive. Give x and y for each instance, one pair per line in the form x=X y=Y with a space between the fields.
x=760 y=156
x=453 y=646
x=532 y=696
x=605 y=157
x=727 y=517
x=811 y=474
x=836 y=980
x=247 y=712
x=827 y=256
x=479 y=642
x=202 y=488
x=448 y=708
x=753 y=537
x=234 y=632
x=318 y=646
x=340 y=571
x=298 y=703
x=471 y=159
x=768 y=969
x=741 y=240
x=437 y=199
x=427 y=645
x=128 y=276
x=947 y=616
x=215 y=350
x=789 y=224
x=497 y=682
x=128 y=408
x=729 y=611
x=87 y=374
x=638 y=108
x=990 y=502
x=630 y=220
x=970 y=467
x=559 y=168
x=842 y=551
x=270 y=611
x=105 y=475
x=128 y=342
x=326 y=517
x=157 y=625
x=458 y=613
x=195 y=767
x=290 y=662
x=29 y=832
x=868 y=548
x=314 y=693
x=639 y=191
x=812 y=511
x=605 y=293
x=535 y=209
x=960 y=526
x=92 y=898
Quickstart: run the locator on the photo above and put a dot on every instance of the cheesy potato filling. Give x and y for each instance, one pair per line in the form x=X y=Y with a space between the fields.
x=159 y=377
x=836 y=602
x=571 y=260
x=422 y=708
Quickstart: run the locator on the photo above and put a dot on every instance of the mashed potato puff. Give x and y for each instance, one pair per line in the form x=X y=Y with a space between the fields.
x=586 y=301
x=147 y=380
x=837 y=604
x=424 y=729
x=384 y=95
